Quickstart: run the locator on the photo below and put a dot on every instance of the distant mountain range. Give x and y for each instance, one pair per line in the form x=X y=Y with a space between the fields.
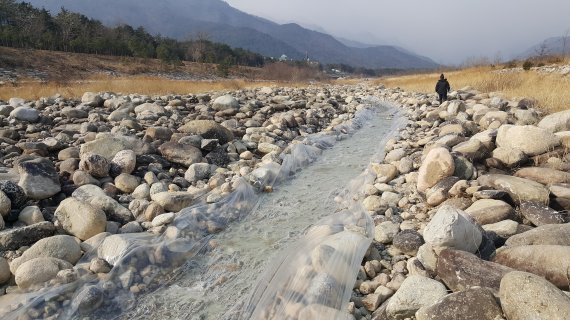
x=554 y=45
x=183 y=19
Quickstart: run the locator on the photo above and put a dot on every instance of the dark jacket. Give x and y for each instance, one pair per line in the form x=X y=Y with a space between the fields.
x=442 y=86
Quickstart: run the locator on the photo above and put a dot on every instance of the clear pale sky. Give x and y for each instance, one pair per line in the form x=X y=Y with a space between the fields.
x=448 y=31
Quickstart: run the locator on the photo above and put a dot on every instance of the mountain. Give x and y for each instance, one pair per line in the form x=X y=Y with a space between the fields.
x=182 y=19
x=554 y=45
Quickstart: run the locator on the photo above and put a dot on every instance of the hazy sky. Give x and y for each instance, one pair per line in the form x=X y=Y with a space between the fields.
x=448 y=31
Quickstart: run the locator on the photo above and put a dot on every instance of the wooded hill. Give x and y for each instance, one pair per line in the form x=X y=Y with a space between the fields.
x=24 y=26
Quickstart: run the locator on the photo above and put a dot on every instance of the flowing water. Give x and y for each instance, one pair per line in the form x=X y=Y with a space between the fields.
x=216 y=284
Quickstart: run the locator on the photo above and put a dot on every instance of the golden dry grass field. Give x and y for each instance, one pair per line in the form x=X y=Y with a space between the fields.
x=551 y=91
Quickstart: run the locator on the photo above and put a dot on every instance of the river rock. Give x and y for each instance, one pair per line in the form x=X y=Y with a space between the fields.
x=38 y=178
x=408 y=242
x=88 y=299
x=527 y=296
x=549 y=261
x=437 y=165
x=384 y=172
x=487 y=211
x=225 y=102
x=149 y=108
x=509 y=157
x=174 y=201
x=315 y=311
x=472 y=304
x=395 y=155
x=208 y=129
x=5 y=274
x=552 y=234
x=461 y=270
x=471 y=149
x=555 y=122
x=386 y=231
x=25 y=114
x=61 y=247
x=540 y=214
x=544 y=175
x=5 y=204
x=96 y=165
x=126 y=183
x=14 y=192
x=92 y=99
x=503 y=229
x=529 y=139
x=414 y=293
x=266 y=148
x=449 y=228
x=15 y=238
x=31 y=215
x=518 y=188
x=183 y=154
x=80 y=219
x=197 y=171
x=108 y=146
x=124 y=161
x=39 y=270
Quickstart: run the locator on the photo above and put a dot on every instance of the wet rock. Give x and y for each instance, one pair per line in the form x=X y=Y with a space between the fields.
x=527 y=296
x=80 y=219
x=449 y=228
x=174 y=201
x=38 y=178
x=554 y=234
x=208 y=129
x=61 y=247
x=183 y=154
x=529 y=139
x=548 y=261
x=540 y=214
x=519 y=189
x=39 y=270
x=414 y=293
x=472 y=304
x=437 y=165
x=408 y=242
x=461 y=270
x=544 y=175
x=487 y=211
x=88 y=300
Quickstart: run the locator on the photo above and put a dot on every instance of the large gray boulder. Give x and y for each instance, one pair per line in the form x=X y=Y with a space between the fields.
x=451 y=228
x=25 y=114
x=472 y=304
x=15 y=238
x=486 y=211
x=109 y=145
x=225 y=102
x=552 y=234
x=529 y=139
x=527 y=296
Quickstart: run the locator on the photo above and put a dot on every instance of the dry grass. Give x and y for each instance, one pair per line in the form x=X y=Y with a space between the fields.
x=552 y=91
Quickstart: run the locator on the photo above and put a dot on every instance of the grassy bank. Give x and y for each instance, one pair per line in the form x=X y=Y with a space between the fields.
x=551 y=91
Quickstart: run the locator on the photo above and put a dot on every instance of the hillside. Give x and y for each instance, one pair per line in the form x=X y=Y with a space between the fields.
x=182 y=19
x=550 y=46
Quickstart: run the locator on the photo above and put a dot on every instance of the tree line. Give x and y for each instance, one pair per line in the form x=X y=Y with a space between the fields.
x=24 y=26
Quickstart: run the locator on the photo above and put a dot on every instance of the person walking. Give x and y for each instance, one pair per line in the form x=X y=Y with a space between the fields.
x=442 y=88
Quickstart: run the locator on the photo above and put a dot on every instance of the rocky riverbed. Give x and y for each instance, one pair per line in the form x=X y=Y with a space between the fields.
x=468 y=206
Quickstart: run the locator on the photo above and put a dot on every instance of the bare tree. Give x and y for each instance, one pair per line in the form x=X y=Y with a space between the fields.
x=542 y=50
x=565 y=42
x=198 y=46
